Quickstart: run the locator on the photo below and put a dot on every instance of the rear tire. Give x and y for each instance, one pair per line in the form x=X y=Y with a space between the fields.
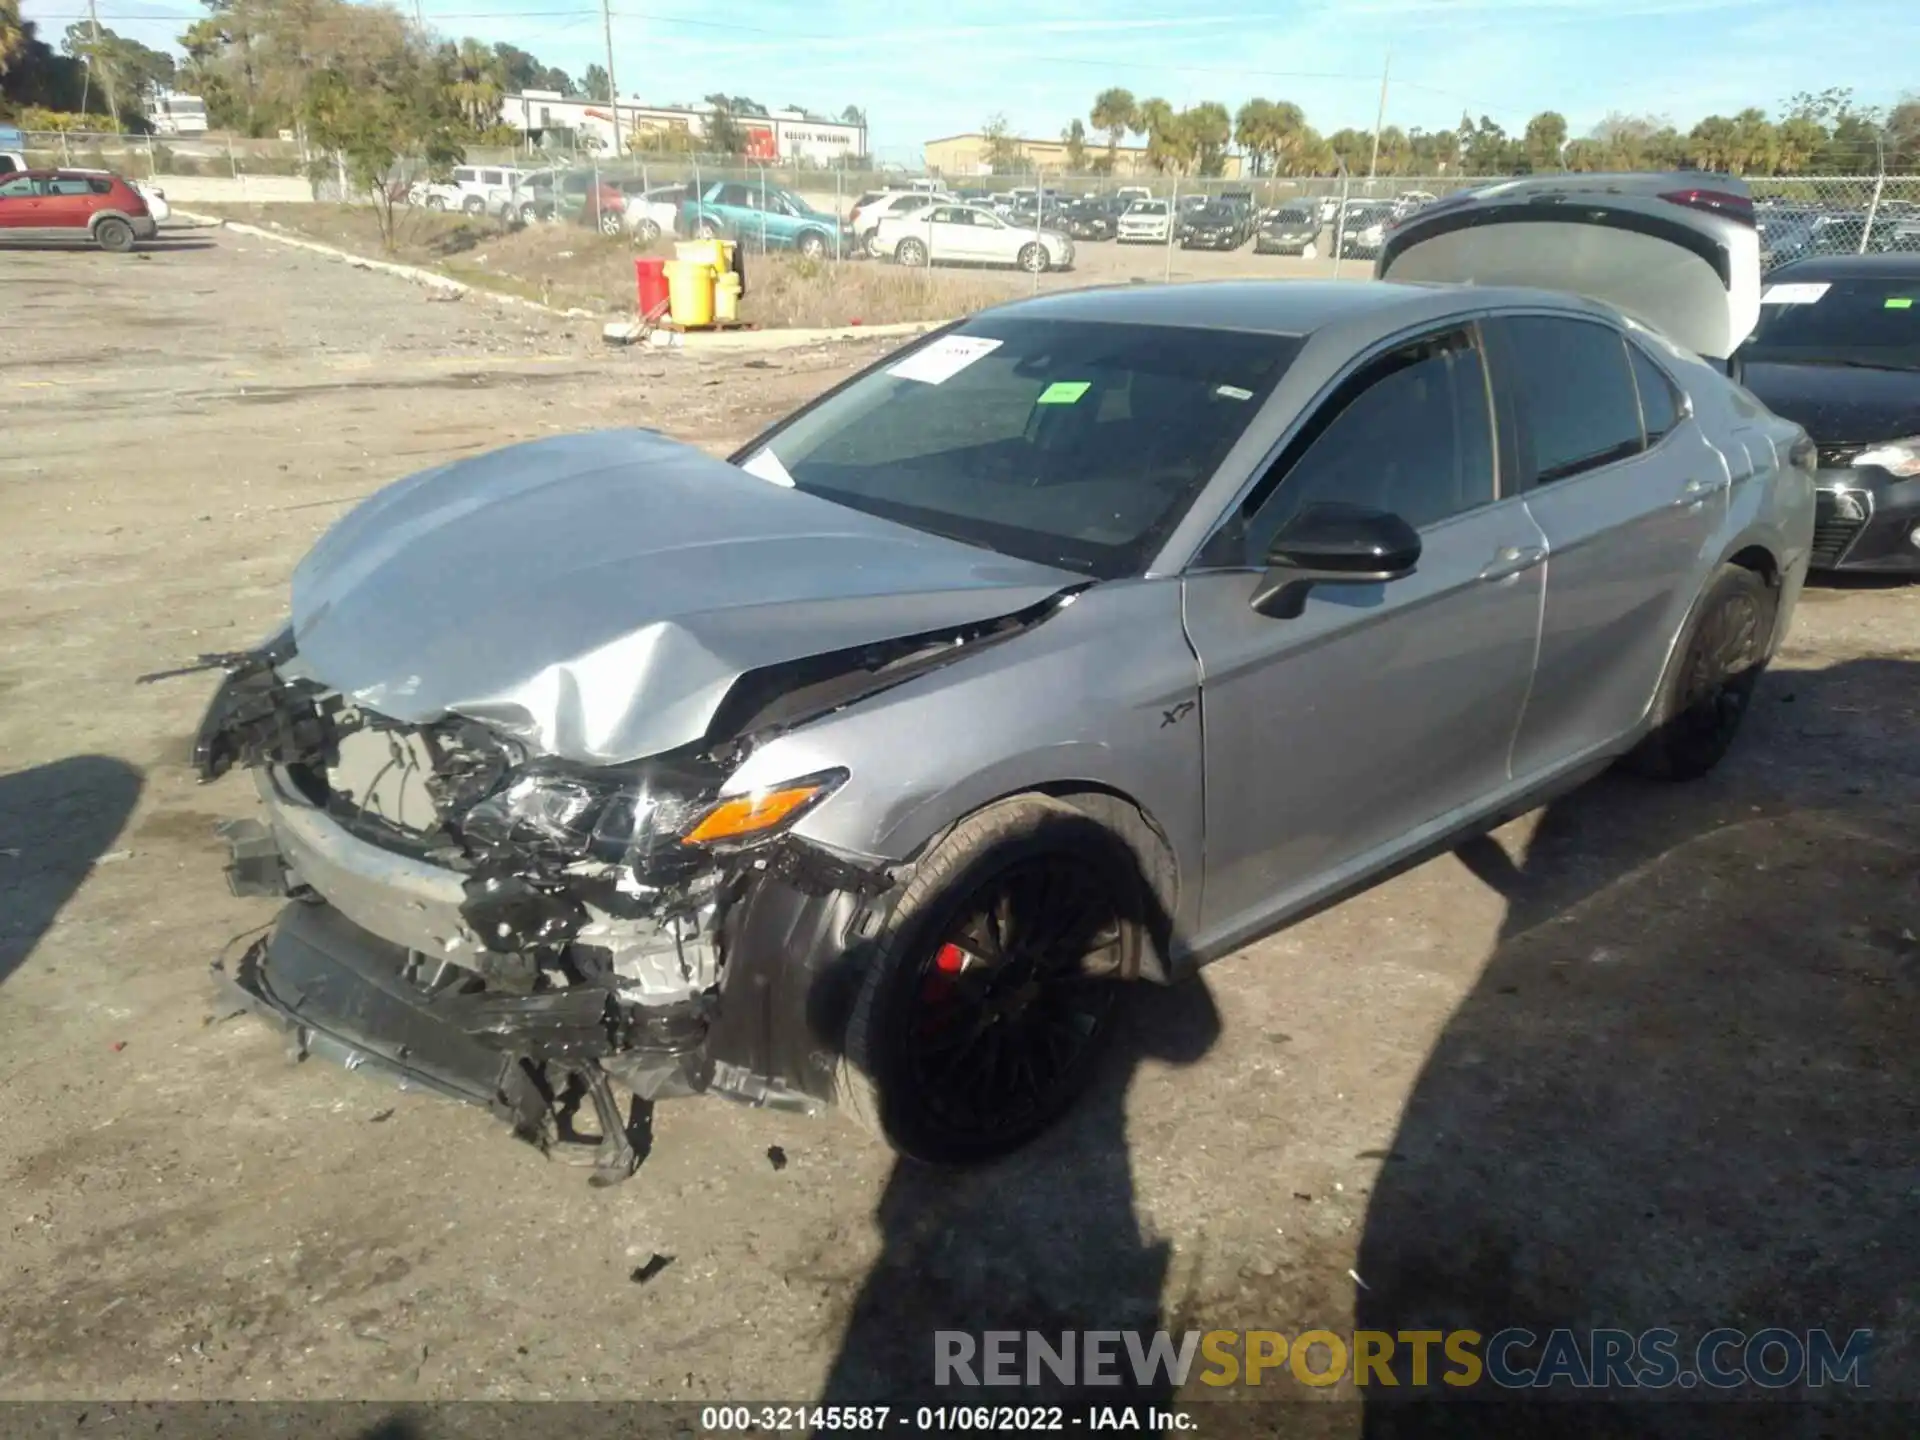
x=473 y=205
x=647 y=231
x=114 y=234
x=706 y=230
x=612 y=222
x=996 y=983
x=1710 y=679
x=435 y=202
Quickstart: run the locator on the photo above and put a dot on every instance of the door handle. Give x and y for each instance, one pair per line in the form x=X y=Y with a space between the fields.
x=1696 y=491
x=1512 y=561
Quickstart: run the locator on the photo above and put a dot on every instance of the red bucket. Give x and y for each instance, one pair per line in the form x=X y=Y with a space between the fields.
x=650 y=273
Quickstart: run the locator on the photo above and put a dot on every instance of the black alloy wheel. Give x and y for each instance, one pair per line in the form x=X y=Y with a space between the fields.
x=1014 y=999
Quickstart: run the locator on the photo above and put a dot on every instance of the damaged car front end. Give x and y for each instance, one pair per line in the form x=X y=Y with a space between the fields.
x=527 y=910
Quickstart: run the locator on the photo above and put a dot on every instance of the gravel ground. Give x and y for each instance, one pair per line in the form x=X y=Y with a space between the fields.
x=1644 y=1058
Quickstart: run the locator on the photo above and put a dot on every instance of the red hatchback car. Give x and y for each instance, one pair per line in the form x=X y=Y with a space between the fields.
x=49 y=205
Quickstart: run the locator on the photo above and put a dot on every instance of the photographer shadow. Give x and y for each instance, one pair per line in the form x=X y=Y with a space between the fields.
x=1683 y=1092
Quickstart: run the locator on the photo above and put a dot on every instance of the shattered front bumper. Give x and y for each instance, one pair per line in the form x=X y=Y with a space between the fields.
x=373 y=966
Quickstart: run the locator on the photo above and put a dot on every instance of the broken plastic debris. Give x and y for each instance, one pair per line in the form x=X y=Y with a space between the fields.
x=112 y=855
x=643 y=1273
x=777 y=1157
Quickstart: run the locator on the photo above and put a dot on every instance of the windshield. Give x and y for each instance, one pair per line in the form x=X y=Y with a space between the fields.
x=1872 y=321
x=1068 y=443
x=1292 y=215
x=1214 y=214
x=1149 y=207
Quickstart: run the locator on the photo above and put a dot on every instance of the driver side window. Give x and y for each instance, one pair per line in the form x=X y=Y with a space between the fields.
x=1411 y=434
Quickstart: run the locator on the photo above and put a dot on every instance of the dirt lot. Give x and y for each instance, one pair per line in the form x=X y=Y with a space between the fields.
x=1645 y=1058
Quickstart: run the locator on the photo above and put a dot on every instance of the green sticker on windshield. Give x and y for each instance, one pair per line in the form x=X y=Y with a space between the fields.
x=1064 y=392
x=1900 y=302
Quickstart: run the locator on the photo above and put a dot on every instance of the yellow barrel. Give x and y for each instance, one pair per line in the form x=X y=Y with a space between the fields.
x=717 y=253
x=689 y=292
x=726 y=297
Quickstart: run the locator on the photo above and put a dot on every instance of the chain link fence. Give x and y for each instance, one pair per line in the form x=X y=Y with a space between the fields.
x=774 y=206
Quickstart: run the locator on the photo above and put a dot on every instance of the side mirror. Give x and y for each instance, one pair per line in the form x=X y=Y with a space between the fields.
x=1333 y=544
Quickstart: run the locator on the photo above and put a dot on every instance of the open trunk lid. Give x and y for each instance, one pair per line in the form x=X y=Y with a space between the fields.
x=1678 y=252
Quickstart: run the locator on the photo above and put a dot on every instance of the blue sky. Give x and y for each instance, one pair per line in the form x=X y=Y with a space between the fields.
x=922 y=68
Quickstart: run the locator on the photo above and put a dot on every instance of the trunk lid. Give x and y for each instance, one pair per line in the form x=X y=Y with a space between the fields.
x=1678 y=252
x=597 y=595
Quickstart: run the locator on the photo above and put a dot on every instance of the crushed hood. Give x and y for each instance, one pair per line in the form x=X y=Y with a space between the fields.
x=597 y=595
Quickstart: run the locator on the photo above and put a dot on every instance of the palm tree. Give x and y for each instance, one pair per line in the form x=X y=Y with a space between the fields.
x=1115 y=113
x=476 y=83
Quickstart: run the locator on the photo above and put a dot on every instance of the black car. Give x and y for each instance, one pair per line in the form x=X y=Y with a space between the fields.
x=1362 y=229
x=1215 y=226
x=1090 y=220
x=1291 y=230
x=1837 y=350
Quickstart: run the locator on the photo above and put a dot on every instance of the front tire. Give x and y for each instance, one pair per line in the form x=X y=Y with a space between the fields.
x=1033 y=257
x=612 y=222
x=813 y=245
x=911 y=253
x=114 y=234
x=995 y=986
x=473 y=205
x=1709 y=682
x=435 y=202
x=647 y=231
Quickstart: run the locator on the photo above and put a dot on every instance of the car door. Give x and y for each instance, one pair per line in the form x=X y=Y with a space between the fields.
x=1381 y=711
x=67 y=203
x=20 y=202
x=1628 y=507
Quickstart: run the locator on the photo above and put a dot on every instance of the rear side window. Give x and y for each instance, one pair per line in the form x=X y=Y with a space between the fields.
x=75 y=185
x=1411 y=434
x=1659 y=402
x=1578 y=406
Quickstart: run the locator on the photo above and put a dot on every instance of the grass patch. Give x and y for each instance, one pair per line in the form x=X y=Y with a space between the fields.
x=570 y=266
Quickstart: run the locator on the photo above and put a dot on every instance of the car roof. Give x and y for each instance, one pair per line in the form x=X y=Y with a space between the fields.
x=1280 y=307
x=1849 y=267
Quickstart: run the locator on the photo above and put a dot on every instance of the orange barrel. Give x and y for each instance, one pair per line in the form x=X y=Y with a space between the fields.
x=690 y=292
x=650 y=271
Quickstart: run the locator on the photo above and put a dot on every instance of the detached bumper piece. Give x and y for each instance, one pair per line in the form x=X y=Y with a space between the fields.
x=529 y=1059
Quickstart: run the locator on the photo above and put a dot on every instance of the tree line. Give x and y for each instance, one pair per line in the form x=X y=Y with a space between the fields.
x=262 y=66
x=1823 y=132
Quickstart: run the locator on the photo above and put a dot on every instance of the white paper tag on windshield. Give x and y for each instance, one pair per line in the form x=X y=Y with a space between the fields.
x=765 y=465
x=943 y=359
x=1803 y=292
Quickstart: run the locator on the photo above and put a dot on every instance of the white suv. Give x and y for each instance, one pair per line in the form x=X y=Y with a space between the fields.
x=476 y=189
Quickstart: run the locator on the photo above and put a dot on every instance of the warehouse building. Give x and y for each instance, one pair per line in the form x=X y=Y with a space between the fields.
x=959 y=156
x=788 y=137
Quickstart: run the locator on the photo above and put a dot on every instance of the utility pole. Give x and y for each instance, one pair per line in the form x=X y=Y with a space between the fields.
x=613 y=86
x=97 y=58
x=1379 y=119
x=420 y=15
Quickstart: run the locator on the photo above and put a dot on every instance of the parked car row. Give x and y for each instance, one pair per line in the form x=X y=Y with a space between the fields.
x=1803 y=232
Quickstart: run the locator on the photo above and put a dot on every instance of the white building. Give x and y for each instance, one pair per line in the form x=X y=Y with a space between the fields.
x=786 y=136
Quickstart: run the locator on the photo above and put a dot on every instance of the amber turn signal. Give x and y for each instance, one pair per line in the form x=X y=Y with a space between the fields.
x=754 y=814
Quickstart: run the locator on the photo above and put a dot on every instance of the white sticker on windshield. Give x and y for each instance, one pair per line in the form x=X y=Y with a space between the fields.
x=1803 y=292
x=766 y=465
x=943 y=359
x=1232 y=392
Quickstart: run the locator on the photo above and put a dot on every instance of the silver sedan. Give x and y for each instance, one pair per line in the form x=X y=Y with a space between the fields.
x=1050 y=658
